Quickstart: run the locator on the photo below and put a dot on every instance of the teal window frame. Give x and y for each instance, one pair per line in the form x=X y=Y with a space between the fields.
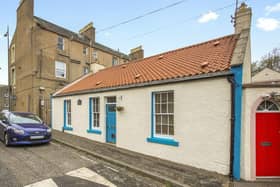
x=67 y=126
x=92 y=129
x=154 y=138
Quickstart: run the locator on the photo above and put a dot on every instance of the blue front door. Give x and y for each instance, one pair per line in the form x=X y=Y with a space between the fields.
x=111 y=123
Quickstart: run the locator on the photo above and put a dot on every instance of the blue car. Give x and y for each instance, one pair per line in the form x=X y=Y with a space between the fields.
x=19 y=128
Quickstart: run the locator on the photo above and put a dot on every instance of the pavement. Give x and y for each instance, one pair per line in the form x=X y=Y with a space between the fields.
x=57 y=165
x=168 y=173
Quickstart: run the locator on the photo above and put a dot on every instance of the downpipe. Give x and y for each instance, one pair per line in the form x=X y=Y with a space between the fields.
x=232 y=119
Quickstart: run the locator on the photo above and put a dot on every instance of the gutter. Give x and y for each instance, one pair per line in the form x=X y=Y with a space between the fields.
x=151 y=83
x=232 y=120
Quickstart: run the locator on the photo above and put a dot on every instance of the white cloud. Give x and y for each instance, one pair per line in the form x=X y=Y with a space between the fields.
x=210 y=16
x=271 y=9
x=268 y=24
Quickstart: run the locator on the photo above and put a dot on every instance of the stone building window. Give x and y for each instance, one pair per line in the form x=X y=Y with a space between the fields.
x=85 y=51
x=13 y=76
x=114 y=61
x=60 y=43
x=13 y=53
x=95 y=55
x=60 y=69
x=86 y=70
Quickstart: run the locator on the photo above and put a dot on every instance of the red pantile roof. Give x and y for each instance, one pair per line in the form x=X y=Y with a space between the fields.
x=208 y=57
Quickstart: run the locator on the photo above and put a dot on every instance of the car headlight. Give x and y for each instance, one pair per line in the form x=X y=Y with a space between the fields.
x=18 y=131
x=49 y=130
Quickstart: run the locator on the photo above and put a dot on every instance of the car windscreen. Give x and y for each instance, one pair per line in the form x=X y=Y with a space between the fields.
x=24 y=118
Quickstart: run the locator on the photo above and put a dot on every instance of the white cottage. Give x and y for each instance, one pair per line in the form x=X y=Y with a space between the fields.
x=194 y=105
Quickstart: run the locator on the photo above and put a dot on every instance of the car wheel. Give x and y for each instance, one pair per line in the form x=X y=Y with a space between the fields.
x=6 y=140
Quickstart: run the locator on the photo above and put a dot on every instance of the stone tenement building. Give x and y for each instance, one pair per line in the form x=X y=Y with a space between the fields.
x=44 y=57
x=4 y=97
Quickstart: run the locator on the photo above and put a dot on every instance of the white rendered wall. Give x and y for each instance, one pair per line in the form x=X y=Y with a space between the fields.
x=266 y=75
x=202 y=122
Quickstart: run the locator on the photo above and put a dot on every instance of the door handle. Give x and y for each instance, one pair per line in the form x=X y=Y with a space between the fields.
x=266 y=144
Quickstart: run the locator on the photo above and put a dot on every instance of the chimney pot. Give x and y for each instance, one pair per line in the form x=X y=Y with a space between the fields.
x=136 y=53
x=243 y=18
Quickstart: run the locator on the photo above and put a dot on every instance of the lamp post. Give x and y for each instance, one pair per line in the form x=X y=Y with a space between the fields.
x=7 y=34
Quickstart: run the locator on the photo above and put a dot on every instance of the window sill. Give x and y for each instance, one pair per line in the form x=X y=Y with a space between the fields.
x=164 y=141
x=94 y=131
x=67 y=128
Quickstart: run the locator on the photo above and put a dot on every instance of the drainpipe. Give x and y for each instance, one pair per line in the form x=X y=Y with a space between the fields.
x=232 y=119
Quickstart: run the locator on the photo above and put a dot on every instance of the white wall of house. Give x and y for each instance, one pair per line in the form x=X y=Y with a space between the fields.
x=202 y=112
x=266 y=75
x=252 y=97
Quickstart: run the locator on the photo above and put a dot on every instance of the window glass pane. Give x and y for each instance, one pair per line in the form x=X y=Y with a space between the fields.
x=163 y=108
x=164 y=97
x=157 y=108
x=60 y=69
x=171 y=130
x=164 y=120
x=171 y=120
x=111 y=108
x=165 y=129
x=60 y=43
x=171 y=97
x=97 y=120
x=157 y=98
x=170 y=108
x=273 y=108
x=158 y=129
x=111 y=99
x=94 y=55
x=158 y=119
x=97 y=107
x=268 y=106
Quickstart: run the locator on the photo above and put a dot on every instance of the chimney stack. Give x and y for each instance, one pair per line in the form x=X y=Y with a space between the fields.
x=25 y=11
x=88 y=31
x=136 y=53
x=242 y=51
x=243 y=18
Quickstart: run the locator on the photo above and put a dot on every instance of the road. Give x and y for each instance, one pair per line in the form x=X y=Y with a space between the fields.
x=53 y=165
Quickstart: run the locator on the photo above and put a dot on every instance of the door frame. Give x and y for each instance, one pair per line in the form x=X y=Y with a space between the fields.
x=253 y=150
x=106 y=131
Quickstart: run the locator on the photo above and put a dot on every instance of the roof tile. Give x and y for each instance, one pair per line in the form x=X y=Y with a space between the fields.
x=182 y=62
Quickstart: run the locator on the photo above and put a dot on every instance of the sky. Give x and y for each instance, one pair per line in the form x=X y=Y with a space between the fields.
x=189 y=22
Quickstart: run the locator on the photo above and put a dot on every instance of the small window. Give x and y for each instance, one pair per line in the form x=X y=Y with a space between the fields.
x=111 y=100
x=13 y=53
x=95 y=115
x=95 y=55
x=60 y=43
x=268 y=106
x=60 y=69
x=86 y=70
x=68 y=113
x=163 y=114
x=85 y=51
x=13 y=81
x=114 y=61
